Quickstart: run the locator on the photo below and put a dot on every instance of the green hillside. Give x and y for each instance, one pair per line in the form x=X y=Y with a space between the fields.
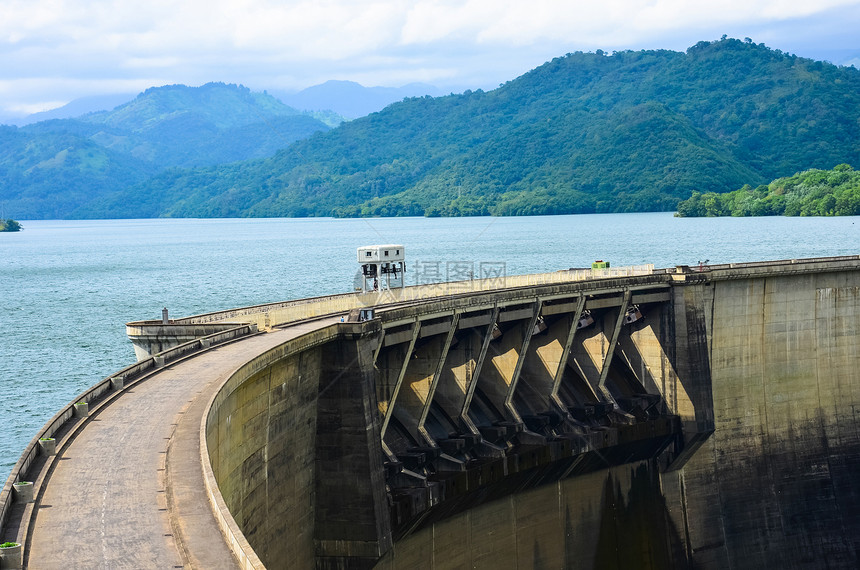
x=51 y=169
x=811 y=193
x=216 y=123
x=587 y=132
x=50 y=176
x=208 y=102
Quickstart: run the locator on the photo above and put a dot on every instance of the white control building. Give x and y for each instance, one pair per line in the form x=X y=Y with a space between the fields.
x=382 y=266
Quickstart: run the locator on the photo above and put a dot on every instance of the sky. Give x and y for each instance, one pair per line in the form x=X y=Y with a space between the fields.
x=55 y=51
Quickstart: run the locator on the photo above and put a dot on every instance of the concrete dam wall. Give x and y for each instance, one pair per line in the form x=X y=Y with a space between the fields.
x=689 y=419
x=776 y=483
x=293 y=447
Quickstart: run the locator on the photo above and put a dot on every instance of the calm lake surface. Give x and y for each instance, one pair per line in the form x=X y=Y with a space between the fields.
x=68 y=287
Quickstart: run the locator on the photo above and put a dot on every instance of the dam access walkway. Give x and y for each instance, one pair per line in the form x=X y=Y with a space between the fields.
x=128 y=490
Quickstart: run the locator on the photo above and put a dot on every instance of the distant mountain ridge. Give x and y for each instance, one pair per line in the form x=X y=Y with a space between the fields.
x=176 y=125
x=93 y=146
x=352 y=100
x=52 y=168
x=587 y=132
x=343 y=99
x=76 y=108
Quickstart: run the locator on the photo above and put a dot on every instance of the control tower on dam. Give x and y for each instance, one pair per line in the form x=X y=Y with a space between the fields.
x=696 y=417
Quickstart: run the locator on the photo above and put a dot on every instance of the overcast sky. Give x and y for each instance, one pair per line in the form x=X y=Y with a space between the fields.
x=54 y=51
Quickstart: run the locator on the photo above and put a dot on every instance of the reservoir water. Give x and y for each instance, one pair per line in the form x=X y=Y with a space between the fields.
x=68 y=287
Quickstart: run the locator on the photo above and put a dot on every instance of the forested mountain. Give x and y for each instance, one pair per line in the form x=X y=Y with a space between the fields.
x=814 y=192
x=587 y=132
x=184 y=126
x=51 y=175
x=52 y=168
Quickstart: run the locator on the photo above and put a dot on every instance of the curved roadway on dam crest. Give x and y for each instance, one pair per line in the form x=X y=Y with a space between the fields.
x=128 y=491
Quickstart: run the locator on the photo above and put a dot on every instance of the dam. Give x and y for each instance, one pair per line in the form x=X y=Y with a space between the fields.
x=689 y=417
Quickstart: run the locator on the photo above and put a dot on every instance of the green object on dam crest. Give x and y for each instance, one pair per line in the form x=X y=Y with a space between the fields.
x=612 y=418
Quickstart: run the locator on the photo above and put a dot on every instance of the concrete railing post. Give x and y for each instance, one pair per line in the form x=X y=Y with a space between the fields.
x=82 y=409
x=23 y=491
x=48 y=445
x=11 y=556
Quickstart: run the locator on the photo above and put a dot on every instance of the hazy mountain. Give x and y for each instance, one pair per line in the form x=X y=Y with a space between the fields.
x=78 y=107
x=9 y=119
x=845 y=56
x=587 y=132
x=50 y=168
x=351 y=99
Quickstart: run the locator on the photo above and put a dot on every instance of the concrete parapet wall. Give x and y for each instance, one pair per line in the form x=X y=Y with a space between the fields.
x=296 y=462
x=253 y=467
x=150 y=338
x=274 y=314
x=34 y=465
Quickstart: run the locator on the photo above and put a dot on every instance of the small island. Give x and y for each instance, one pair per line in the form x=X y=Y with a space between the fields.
x=10 y=225
x=814 y=192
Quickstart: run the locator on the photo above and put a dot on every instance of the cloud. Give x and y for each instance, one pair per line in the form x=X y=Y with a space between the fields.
x=539 y=21
x=53 y=50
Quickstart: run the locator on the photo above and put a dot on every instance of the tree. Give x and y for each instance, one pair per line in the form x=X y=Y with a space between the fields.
x=10 y=225
x=810 y=193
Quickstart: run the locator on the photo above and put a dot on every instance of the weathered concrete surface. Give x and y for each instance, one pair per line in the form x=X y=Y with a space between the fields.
x=769 y=364
x=149 y=338
x=776 y=484
x=610 y=519
x=294 y=443
x=295 y=436
x=127 y=491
